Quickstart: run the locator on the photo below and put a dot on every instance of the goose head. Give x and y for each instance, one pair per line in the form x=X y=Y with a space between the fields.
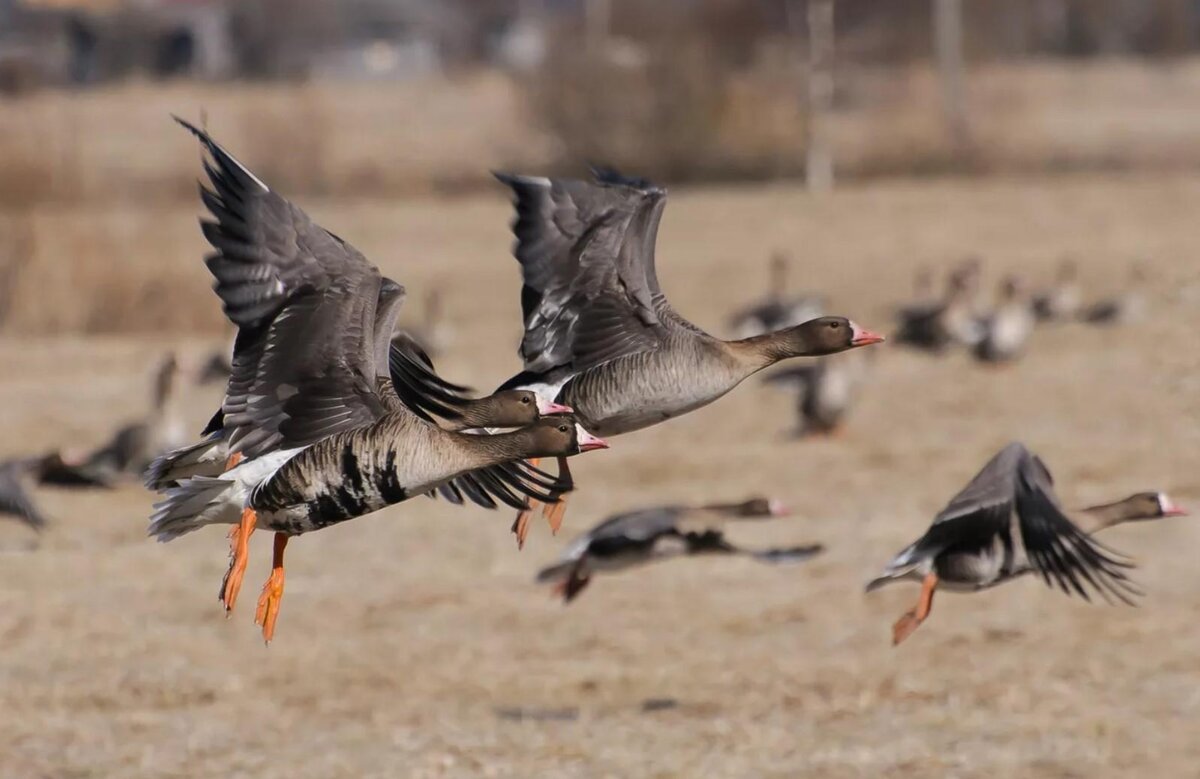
x=1139 y=507
x=1150 y=505
x=560 y=436
x=514 y=408
x=824 y=335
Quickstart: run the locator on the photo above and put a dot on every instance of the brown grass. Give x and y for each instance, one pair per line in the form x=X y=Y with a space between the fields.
x=403 y=634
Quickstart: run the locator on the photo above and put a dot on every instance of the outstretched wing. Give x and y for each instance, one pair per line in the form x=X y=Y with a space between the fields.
x=1057 y=549
x=587 y=260
x=305 y=304
x=1016 y=483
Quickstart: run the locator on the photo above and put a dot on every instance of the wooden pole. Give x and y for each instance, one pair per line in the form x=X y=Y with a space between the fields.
x=948 y=49
x=819 y=162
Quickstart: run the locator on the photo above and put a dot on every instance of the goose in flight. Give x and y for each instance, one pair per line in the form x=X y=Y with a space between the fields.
x=600 y=335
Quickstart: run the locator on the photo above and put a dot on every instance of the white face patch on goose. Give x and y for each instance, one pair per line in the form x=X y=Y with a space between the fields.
x=586 y=441
x=1167 y=507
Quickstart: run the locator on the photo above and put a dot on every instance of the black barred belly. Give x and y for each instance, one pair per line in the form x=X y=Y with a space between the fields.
x=301 y=500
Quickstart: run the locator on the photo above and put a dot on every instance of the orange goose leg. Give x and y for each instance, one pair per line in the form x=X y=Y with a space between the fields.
x=239 y=554
x=272 y=592
x=520 y=526
x=913 y=618
x=554 y=512
x=239 y=548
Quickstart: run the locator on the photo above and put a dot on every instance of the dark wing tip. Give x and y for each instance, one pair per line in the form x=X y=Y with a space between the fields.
x=607 y=174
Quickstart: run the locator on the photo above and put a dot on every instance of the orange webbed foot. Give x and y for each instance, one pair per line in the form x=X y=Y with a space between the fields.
x=520 y=526
x=239 y=554
x=554 y=513
x=905 y=626
x=272 y=593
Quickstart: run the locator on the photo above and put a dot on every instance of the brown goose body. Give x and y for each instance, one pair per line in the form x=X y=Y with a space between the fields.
x=600 y=335
x=356 y=472
x=1007 y=522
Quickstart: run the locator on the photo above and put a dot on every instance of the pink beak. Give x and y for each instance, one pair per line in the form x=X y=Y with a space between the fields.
x=587 y=441
x=1169 y=508
x=548 y=407
x=862 y=337
x=778 y=508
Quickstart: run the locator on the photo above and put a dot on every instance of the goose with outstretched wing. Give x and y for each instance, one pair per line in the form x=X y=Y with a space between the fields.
x=1008 y=522
x=311 y=439
x=600 y=335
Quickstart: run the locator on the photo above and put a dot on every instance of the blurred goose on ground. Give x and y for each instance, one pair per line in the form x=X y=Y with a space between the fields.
x=639 y=537
x=1122 y=309
x=311 y=441
x=600 y=335
x=134 y=446
x=218 y=365
x=1007 y=330
x=825 y=390
x=951 y=321
x=1008 y=522
x=1062 y=300
x=19 y=476
x=776 y=310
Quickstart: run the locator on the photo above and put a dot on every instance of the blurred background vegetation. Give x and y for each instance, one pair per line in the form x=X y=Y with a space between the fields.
x=401 y=98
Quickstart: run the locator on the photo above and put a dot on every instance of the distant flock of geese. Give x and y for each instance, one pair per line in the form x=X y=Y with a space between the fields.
x=329 y=413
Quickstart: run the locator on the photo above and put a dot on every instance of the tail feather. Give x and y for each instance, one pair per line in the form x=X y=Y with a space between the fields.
x=204 y=458
x=192 y=504
x=555 y=572
x=569 y=578
x=901 y=566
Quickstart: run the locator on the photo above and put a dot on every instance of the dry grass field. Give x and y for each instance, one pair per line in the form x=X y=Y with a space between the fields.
x=413 y=643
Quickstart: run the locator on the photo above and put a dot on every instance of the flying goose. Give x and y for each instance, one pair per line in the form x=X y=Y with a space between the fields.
x=18 y=476
x=1007 y=330
x=776 y=310
x=638 y=537
x=408 y=383
x=1008 y=522
x=1062 y=300
x=311 y=441
x=600 y=335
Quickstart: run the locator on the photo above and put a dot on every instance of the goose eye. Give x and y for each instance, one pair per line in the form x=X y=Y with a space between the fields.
x=562 y=428
x=525 y=399
x=835 y=325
